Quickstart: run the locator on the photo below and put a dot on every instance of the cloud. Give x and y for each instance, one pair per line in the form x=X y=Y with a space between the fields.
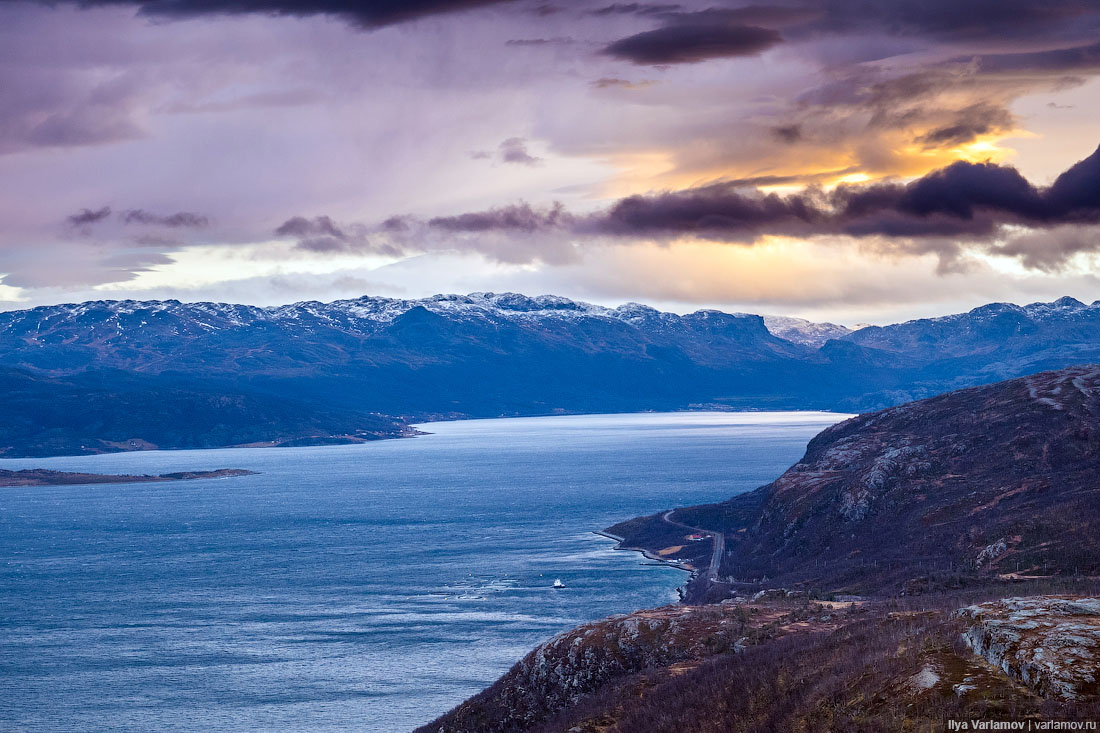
x=179 y=220
x=363 y=13
x=688 y=42
x=514 y=150
x=637 y=9
x=718 y=211
x=958 y=21
x=973 y=199
x=612 y=82
x=321 y=235
x=1050 y=251
x=84 y=217
x=79 y=264
x=515 y=234
x=976 y=202
x=516 y=218
x=300 y=226
x=557 y=41
x=968 y=125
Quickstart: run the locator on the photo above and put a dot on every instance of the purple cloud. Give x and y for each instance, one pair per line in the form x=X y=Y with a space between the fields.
x=692 y=42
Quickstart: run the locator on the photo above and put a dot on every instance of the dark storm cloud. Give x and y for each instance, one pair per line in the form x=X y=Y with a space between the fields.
x=179 y=220
x=711 y=211
x=364 y=13
x=84 y=217
x=693 y=41
x=974 y=201
x=1079 y=58
x=954 y=20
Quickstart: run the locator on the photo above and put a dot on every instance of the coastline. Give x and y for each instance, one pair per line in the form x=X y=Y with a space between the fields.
x=409 y=430
x=692 y=572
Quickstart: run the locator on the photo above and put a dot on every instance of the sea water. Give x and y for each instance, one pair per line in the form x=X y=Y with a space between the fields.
x=367 y=587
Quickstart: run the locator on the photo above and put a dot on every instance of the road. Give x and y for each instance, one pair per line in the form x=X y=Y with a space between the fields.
x=718 y=544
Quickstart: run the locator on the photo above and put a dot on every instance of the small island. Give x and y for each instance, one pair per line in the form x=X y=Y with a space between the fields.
x=45 y=477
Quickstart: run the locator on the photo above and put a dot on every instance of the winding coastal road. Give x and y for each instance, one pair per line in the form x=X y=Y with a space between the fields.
x=718 y=544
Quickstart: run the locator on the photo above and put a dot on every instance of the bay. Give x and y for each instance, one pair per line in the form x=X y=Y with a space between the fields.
x=368 y=587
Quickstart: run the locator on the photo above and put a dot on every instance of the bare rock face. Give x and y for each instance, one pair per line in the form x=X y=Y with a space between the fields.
x=1050 y=643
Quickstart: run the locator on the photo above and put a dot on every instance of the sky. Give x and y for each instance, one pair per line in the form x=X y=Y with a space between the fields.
x=857 y=161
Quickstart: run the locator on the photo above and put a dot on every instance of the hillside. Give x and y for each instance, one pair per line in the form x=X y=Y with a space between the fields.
x=992 y=481
x=966 y=523
x=108 y=412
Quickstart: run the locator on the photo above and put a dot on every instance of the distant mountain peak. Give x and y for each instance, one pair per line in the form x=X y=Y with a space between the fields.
x=802 y=331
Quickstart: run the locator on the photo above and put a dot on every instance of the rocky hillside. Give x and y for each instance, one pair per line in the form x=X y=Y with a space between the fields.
x=569 y=668
x=994 y=481
x=787 y=662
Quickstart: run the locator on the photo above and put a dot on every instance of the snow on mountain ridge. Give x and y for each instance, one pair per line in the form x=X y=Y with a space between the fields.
x=368 y=313
x=801 y=331
x=347 y=312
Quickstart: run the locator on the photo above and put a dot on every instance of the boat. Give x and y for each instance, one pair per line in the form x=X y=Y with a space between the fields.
x=558 y=583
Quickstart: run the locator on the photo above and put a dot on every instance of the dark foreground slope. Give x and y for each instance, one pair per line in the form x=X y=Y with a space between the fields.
x=994 y=481
x=780 y=664
x=968 y=523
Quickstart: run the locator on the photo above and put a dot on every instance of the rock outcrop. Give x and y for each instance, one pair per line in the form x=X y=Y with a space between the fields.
x=673 y=639
x=1050 y=643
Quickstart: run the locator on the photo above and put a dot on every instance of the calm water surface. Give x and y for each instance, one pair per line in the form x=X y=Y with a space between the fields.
x=367 y=587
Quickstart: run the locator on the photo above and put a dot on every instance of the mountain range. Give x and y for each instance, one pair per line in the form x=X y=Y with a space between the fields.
x=363 y=368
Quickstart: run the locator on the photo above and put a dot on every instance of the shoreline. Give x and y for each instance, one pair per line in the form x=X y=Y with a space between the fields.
x=413 y=430
x=644 y=552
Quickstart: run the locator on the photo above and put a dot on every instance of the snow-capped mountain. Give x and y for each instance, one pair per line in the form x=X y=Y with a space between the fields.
x=363 y=316
x=801 y=331
x=488 y=354
x=1064 y=323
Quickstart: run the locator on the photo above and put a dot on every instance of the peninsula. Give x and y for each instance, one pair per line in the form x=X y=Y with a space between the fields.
x=45 y=477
